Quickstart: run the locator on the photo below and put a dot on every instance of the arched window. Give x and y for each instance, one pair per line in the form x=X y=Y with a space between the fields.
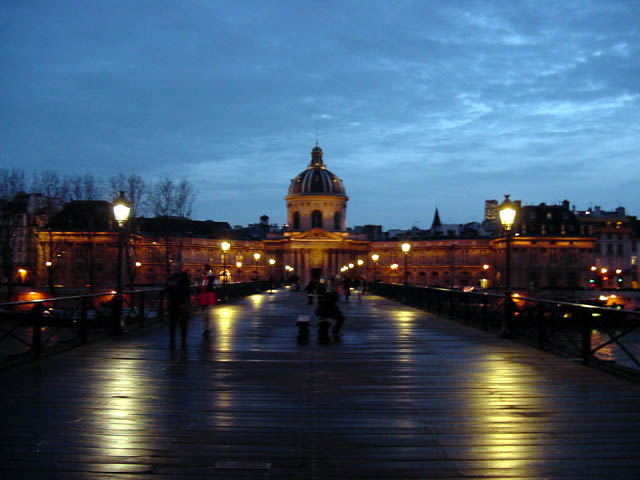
x=296 y=221
x=337 y=220
x=316 y=219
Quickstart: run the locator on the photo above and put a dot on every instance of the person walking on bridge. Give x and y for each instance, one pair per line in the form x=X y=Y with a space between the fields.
x=179 y=298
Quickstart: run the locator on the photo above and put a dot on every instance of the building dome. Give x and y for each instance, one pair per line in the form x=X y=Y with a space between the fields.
x=316 y=179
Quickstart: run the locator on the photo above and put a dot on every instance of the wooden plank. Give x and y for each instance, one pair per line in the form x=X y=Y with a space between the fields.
x=403 y=394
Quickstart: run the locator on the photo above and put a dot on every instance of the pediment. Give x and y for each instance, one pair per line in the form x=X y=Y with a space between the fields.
x=318 y=234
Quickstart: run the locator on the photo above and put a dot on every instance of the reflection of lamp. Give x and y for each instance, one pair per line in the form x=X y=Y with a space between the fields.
x=375 y=257
x=121 y=209
x=507 y=212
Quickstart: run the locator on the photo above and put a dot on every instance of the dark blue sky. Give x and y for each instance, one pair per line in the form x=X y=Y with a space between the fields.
x=417 y=103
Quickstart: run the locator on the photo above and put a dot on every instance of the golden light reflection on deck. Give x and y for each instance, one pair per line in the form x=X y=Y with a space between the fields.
x=501 y=404
x=123 y=416
x=224 y=326
x=403 y=321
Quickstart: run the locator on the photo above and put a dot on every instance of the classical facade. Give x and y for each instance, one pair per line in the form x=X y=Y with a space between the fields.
x=551 y=250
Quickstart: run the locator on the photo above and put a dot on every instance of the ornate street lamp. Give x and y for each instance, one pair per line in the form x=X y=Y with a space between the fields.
x=272 y=262
x=507 y=212
x=406 y=247
x=375 y=257
x=394 y=269
x=239 y=267
x=225 y=246
x=121 y=210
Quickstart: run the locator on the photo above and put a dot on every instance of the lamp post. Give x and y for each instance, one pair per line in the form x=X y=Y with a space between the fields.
x=225 y=246
x=375 y=257
x=406 y=247
x=272 y=262
x=121 y=209
x=239 y=267
x=394 y=269
x=507 y=212
x=256 y=258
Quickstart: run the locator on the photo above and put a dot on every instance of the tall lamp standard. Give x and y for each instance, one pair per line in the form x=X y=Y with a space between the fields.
x=121 y=209
x=375 y=257
x=256 y=258
x=239 y=267
x=507 y=212
x=272 y=262
x=406 y=247
x=225 y=246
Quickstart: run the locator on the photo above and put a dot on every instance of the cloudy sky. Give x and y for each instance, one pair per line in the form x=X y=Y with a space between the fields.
x=417 y=104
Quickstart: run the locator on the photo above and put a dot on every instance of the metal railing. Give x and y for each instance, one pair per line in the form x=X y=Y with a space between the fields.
x=605 y=337
x=29 y=329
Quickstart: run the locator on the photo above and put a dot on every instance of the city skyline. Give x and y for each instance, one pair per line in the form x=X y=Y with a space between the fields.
x=415 y=108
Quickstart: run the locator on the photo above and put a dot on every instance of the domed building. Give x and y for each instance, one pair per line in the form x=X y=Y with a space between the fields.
x=316 y=198
x=317 y=244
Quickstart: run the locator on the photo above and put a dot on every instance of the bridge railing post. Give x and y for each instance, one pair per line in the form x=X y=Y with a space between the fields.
x=83 y=320
x=586 y=336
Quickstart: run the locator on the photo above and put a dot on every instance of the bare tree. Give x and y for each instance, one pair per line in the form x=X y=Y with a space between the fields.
x=172 y=203
x=11 y=182
x=80 y=187
x=8 y=229
x=48 y=183
x=185 y=195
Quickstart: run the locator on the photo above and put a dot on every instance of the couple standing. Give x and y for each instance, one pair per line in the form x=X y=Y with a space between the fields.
x=179 y=299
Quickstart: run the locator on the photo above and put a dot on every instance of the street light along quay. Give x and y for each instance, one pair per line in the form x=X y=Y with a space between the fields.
x=507 y=212
x=375 y=257
x=239 y=267
x=225 y=246
x=272 y=262
x=406 y=247
x=256 y=259
x=121 y=210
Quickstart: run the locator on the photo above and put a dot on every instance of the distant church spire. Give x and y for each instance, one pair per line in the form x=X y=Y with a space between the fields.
x=436 y=220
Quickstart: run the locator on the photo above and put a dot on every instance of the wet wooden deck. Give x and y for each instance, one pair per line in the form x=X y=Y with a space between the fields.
x=404 y=395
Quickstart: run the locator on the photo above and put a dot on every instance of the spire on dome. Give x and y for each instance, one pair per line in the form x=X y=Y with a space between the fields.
x=316 y=157
x=436 y=220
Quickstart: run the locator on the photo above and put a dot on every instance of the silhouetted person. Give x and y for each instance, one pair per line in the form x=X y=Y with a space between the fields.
x=206 y=296
x=179 y=297
x=328 y=308
x=346 y=285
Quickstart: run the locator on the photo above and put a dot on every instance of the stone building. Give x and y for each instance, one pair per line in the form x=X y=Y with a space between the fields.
x=551 y=248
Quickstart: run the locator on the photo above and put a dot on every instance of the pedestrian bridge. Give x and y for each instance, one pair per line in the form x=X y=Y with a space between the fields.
x=403 y=394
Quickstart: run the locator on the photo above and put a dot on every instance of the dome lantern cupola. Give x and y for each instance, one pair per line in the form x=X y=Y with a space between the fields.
x=317 y=198
x=316 y=157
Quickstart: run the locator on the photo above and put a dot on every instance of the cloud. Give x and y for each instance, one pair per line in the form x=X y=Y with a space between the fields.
x=414 y=105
